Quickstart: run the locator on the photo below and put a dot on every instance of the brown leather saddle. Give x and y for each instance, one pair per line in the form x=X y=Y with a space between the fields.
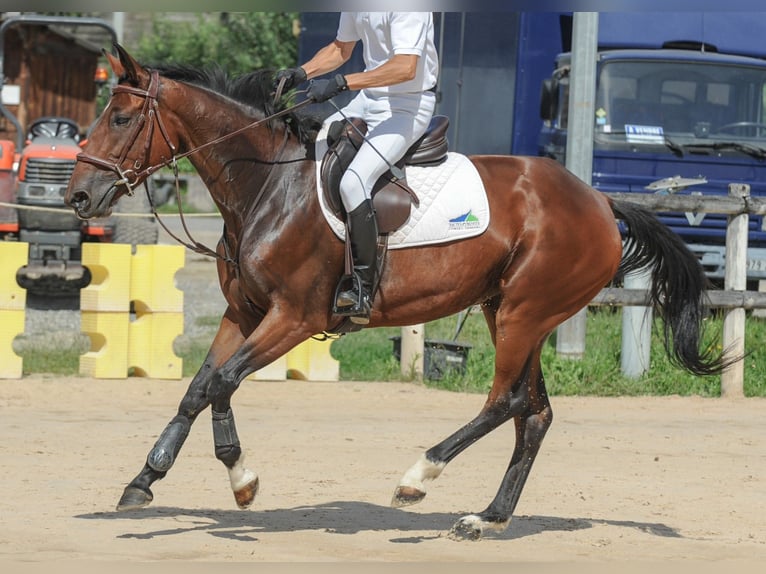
x=391 y=197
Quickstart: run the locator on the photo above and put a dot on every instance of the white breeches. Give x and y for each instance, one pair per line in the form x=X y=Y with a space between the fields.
x=393 y=124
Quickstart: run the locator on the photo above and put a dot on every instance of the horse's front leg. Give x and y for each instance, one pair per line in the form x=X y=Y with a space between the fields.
x=273 y=338
x=165 y=451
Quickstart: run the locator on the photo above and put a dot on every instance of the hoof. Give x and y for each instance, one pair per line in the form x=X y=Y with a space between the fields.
x=134 y=498
x=466 y=529
x=406 y=496
x=472 y=527
x=245 y=495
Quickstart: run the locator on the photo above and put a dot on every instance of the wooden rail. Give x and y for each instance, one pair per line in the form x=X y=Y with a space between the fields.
x=734 y=298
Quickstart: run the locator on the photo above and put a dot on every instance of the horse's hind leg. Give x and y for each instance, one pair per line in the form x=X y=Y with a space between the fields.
x=411 y=488
x=517 y=392
x=531 y=427
x=528 y=404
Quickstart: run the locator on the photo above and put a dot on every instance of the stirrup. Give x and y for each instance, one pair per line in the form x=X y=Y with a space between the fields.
x=359 y=310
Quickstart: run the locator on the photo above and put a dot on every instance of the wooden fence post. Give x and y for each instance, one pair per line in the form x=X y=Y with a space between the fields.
x=413 y=351
x=732 y=380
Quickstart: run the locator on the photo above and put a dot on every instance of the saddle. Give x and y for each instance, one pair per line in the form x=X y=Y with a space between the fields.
x=391 y=198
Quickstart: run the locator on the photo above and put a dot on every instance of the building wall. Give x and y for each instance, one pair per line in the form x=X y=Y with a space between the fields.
x=54 y=75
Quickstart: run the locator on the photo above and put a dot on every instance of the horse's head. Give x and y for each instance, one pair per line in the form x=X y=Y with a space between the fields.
x=128 y=142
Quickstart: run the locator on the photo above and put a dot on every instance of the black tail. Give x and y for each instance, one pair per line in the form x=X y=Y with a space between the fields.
x=677 y=286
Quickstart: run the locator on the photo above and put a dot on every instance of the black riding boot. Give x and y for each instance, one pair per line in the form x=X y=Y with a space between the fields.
x=354 y=296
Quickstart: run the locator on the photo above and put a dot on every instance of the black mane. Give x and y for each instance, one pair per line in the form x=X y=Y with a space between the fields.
x=255 y=89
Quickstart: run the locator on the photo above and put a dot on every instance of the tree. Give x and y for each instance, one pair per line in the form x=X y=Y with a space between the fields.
x=238 y=42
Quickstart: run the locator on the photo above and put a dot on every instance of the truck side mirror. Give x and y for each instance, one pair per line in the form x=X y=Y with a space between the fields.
x=549 y=99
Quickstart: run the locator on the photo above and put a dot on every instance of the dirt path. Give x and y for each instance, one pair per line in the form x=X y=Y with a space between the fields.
x=647 y=479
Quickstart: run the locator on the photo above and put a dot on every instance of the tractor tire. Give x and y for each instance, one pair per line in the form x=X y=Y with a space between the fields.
x=135 y=230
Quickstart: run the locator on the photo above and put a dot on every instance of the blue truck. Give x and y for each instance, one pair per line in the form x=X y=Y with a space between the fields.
x=681 y=98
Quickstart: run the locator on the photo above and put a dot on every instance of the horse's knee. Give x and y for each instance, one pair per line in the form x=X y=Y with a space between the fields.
x=220 y=390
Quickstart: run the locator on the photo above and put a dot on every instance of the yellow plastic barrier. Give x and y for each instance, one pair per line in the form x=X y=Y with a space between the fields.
x=109 y=287
x=145 y=344
x=150 y=345
x=108 y=334
x=310 y=361
x=313 y=361
x=152 y=269
x=12 y=305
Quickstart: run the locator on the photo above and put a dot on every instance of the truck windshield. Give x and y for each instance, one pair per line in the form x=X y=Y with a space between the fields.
x=686 y=102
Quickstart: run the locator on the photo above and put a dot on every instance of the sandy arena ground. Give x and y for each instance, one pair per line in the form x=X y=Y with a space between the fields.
x=629 y=479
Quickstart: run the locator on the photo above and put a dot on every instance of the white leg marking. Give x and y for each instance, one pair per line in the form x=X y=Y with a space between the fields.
x=422 y=470
x=483 y=525
x=239 y=476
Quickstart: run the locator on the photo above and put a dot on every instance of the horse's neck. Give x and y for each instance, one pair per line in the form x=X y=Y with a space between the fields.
x=241 y=172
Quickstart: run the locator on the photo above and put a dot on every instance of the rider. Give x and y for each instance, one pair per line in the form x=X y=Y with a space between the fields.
x=396 y=99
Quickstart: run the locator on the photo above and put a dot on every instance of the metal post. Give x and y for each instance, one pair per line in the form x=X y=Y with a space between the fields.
x=118 y=22
x=735 y=279
x=570 y=339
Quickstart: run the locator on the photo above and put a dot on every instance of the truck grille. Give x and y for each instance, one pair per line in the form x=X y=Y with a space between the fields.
x=49 y=170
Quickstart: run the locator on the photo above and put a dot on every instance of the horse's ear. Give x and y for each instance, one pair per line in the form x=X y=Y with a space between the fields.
x=131 y=70
x=115 y=64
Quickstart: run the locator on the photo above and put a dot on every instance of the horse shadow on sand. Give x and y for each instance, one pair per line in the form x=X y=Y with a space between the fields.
x=347 y=517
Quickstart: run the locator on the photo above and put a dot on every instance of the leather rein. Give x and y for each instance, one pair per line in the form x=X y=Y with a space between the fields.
x=137 y=174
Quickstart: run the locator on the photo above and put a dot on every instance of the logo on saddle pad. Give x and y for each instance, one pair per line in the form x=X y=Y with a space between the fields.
x=465 y=221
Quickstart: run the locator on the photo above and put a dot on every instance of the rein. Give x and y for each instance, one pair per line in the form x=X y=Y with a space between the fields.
x=131 y=178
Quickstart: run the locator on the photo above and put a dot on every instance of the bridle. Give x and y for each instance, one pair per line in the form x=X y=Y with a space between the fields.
x=149 y=116
x=139 y=173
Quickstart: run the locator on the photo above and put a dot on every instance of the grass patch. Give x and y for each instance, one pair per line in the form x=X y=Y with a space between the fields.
x=65 y=362
x=57 y=354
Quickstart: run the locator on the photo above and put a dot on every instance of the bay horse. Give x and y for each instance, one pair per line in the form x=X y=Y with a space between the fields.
x=553 y=242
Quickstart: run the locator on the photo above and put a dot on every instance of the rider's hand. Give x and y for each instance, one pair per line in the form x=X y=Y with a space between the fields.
x=322 y=90
x=292 y=76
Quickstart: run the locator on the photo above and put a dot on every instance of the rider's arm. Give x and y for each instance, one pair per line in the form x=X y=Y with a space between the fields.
x=400 y=68
x=329 y=58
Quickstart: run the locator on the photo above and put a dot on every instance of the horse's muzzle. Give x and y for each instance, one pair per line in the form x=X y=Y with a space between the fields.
x=80 y=201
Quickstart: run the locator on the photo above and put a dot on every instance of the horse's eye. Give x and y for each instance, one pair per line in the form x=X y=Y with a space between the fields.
x=121 y=120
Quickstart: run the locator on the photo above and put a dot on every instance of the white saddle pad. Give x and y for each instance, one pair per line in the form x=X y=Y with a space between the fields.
x=453 y=203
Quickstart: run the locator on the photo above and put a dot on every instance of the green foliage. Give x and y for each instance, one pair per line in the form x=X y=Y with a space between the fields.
x=239 y=42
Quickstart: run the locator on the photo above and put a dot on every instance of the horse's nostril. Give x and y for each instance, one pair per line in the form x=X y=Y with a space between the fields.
x=79 y=199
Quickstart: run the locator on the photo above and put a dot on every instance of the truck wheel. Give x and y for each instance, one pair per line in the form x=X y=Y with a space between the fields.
x=135 y=230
